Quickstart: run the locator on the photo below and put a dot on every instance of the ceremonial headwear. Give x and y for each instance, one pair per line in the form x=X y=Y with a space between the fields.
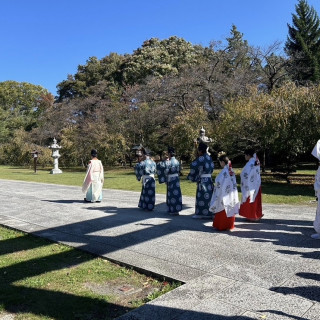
x=202 y=147
x=316 y=150
x=171 y=150
x=147 y=152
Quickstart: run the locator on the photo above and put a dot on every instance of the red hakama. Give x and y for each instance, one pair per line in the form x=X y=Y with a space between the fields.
x=221 y=222
x=252 y=211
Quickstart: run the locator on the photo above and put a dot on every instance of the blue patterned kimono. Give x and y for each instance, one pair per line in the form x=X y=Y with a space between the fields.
x=145 y=170
x=168 y=171
x=201 y=172
x=162 y=172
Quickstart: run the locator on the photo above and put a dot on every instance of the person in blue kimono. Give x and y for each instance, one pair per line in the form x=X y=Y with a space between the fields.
x=169 y=172
x=162 y=170
x=145 y=170
x=201 y=172
x=162 y=167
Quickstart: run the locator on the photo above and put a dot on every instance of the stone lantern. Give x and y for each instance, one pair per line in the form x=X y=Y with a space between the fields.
x=55 y=155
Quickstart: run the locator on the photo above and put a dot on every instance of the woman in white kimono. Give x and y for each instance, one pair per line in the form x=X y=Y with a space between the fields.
x=251 y=203
x=93 y=181
x=316 y=223
x=225 y=200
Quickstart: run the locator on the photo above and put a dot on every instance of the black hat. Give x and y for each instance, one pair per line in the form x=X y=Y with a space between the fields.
x=171 y=150
x=202 y=147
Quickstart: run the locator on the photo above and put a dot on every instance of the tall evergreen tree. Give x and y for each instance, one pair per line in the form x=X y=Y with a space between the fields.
x=237 y=49
x=303 y=43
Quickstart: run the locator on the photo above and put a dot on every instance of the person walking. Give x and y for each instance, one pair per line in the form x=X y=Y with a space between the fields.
x=251 y=202
x=201 y=172
x=93 y=181
x=225 y=200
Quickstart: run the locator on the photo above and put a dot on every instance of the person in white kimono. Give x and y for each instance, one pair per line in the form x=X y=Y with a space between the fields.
x=316 y=223
x=93 y=181
x=225 y=203
x=251 y=202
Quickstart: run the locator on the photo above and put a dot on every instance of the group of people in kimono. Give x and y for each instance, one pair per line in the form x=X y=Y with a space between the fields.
x=168 y=171
x=218 y=201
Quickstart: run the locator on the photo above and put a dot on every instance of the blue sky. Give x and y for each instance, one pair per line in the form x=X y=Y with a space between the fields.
x=42 y=41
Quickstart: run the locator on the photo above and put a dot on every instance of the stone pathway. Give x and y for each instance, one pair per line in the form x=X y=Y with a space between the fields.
x=267 y=270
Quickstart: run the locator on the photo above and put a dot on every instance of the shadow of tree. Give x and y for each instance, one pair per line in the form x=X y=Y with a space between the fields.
x=49 y=303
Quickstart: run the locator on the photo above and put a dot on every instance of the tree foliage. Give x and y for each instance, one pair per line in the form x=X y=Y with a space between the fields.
x=162 y=95
x=21 y=104
x=158 y=58
x=278 y=122
x=303 y=43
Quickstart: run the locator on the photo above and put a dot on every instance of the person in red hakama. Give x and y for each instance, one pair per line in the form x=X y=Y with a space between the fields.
x=225 y=200
x=251 y=203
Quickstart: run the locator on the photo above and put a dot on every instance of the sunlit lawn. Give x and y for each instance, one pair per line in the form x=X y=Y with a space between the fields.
x=44 y=280
x=275 y=190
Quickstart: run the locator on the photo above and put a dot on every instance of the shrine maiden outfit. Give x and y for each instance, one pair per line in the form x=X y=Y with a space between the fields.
x=251 y=203
x=145 y=171
x=201 y=172
x=316 y=223
x=225 y=200
x=93 y=181
x=168 y=171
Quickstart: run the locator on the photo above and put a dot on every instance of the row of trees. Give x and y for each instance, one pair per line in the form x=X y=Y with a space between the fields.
x=166 y=91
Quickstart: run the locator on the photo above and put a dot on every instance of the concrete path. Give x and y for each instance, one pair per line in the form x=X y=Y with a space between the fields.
x=267 y=270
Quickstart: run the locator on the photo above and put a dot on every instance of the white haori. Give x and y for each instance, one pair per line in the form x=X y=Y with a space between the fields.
x=250 y=180
x=316 y=153
x=225 y=194
x=316 y=150
x=316 y=223
x=95 y=178
x=317 y=182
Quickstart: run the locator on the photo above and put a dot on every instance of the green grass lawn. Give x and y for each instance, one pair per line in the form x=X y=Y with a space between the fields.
x=274 y=189
x=40 y=279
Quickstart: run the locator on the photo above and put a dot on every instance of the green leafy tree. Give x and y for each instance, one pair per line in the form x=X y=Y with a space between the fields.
x=158 y=58
x=95 y=71
x=303 y=43
x=21 y=104
x=278 y=122
x=185 y=129
x=238 y=50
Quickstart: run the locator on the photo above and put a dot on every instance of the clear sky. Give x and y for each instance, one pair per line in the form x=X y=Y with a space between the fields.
x=42 y=41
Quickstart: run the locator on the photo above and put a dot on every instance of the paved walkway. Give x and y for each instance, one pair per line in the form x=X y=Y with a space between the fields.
x=267 y=270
